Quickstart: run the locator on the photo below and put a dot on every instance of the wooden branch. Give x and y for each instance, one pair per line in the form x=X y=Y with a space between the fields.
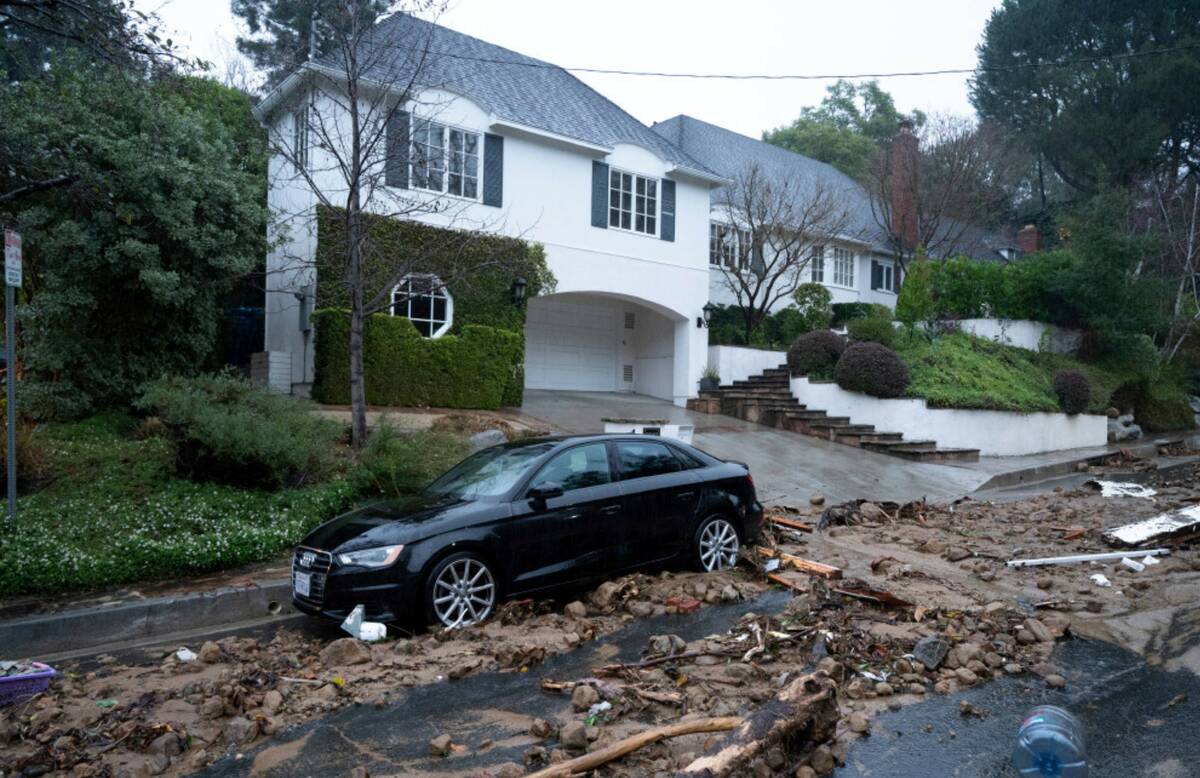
x=807 y=707
x=582 y=764
x=658 y=660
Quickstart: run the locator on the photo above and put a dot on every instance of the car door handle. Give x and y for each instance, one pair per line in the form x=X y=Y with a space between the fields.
x=573 y=515
x=685 y=495
x=610 y=510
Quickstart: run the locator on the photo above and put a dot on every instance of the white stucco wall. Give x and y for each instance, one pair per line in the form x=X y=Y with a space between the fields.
x=994 y=433
x=735 y=363
x=1025 y=334
x=547 y=199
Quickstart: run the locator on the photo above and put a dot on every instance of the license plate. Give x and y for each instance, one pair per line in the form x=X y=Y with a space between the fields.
x=303 y=584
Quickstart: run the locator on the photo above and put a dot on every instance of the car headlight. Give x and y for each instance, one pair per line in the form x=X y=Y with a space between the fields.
x=371 y=557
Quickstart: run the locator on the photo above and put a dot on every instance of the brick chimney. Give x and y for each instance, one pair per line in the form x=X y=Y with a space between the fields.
x=1029 y=239
x=903 y=185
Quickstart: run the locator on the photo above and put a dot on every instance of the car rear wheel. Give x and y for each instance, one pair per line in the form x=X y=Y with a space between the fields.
x=716 y=544
x=461 y=591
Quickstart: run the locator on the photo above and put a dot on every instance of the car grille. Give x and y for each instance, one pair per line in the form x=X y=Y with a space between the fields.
x=317 y=564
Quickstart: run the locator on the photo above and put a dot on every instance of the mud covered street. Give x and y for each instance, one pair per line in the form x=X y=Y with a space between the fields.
x=900 y=629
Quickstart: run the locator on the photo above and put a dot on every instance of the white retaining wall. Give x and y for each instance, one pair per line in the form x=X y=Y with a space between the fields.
x=736 y=363
x=994 y=433
x=1023 y=333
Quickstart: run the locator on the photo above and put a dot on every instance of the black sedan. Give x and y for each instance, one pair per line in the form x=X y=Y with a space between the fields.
x=523 y=518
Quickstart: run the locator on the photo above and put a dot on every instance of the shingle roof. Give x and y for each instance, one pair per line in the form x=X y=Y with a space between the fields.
x=512 y=86
x=729 y=154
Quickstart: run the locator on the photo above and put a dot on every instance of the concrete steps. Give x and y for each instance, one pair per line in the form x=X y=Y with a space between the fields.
x=767 y=399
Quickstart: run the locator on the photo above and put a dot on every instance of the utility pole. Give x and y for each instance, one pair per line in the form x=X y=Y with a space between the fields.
x=12 y=280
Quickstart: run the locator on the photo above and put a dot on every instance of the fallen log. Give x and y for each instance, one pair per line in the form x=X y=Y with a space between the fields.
x=790 y=523
x=582 y=764
x=805 y=709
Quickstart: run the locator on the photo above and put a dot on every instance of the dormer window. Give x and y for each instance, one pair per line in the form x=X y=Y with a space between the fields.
x=632 y=202
x=445 y=159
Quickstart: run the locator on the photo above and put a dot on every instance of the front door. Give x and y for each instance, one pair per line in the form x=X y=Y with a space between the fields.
x=659 y=499
x=561 y=539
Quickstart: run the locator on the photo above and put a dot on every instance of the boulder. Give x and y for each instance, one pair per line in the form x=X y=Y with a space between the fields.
x=210 y=653
x=345 y=651
x=440 y=746
x=576 y=610
x=240 y=730
x=584 y=697
x=573 y=736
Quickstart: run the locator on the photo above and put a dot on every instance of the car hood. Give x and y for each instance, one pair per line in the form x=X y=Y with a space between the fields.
x=400 y=520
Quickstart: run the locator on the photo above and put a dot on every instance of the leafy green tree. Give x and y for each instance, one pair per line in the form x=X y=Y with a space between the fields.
x=1126 y=109
x=915 y=304
x=127 y=263
x=846 y=129
x=283 y=33
x=814 y=302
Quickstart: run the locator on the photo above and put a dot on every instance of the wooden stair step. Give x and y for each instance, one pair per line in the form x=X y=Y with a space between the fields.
x=886 y=445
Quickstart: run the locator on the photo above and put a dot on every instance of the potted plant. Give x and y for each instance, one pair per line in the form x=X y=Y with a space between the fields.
x=710 y=379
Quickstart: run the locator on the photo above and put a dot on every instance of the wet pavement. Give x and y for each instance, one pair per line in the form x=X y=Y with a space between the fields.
x=394 y=739
x=1132 y=727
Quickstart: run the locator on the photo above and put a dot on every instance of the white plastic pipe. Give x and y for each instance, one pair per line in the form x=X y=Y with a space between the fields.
x=1071 y=560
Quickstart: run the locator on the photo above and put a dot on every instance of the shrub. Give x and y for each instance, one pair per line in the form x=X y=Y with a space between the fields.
x=815 y=353
x=471 y=370
x=228 y=430
x=1073 y=389
x=813 y=301
x=844 y=312
x=915 y=303
x=782 y=327
x=873 y=369
x=395 y=463
x=1136 y=353
x=872 y=330
x=32 y=469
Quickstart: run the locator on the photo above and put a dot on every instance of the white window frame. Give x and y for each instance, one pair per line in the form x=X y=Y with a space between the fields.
x=844 y=260
x=727 y=244
x=300 y=138
x=439 y=293
x=447 y=159
x=887 y=276
x=628 y=202
x=816 y=265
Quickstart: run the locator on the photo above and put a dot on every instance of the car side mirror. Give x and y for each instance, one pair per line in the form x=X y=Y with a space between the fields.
x=545 y=491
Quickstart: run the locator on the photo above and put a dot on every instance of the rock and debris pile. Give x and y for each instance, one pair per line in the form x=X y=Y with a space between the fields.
x=171 y=715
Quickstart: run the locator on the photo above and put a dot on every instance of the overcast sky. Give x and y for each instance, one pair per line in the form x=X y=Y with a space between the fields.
x=696 y=36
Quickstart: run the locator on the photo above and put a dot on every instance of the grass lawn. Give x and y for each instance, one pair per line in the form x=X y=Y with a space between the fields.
x=956 y=371
x=113 y=510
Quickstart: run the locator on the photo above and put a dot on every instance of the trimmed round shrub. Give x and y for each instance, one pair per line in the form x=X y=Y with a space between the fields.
x=873 y=369
x=815 y=353
x=872 y=330
x=1073 y=389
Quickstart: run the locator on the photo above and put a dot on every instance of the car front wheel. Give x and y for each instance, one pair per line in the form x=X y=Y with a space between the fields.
x=461 y=591
x=716 y=544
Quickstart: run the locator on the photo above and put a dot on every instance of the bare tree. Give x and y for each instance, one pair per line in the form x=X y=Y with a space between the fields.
x=934 y=189
x=1174 y=203
x=770 y=226
x=348 y=144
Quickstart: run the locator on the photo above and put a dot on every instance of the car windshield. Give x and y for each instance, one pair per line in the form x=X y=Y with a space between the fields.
x=489 y=473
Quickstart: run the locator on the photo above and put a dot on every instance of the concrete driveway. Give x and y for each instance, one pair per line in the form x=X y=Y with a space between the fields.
x=787 y=467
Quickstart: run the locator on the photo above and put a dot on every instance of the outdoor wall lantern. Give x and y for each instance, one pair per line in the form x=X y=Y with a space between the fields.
x=519 y=285
x=703 y=321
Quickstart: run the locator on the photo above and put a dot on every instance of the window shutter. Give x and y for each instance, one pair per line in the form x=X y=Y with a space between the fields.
x=667 y=223
x=493 y=170
x=758 y=263
x=876 y=275
x=599 y=194
x=396 y=164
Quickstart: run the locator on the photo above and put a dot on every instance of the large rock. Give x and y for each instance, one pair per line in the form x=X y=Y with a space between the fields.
x=240 y=730
x=573 y=736
x=584 y=697
x=1122 y=428
x=345 y=651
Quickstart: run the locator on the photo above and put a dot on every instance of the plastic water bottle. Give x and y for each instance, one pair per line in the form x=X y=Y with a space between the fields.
x=1050 y=744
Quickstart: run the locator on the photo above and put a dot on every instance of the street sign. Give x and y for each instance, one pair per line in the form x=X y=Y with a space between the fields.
x=12 y=258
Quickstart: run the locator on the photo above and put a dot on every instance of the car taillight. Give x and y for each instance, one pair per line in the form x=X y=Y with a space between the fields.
x=750 y=480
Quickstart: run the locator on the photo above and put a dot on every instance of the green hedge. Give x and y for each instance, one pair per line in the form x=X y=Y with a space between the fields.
x=479 y=368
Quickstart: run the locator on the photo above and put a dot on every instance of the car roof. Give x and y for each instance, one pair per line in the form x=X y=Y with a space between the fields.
x=562 y=440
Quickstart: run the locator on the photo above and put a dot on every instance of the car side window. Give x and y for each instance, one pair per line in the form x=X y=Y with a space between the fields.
x=689 y=461
x=639 y=460
x=576 y=468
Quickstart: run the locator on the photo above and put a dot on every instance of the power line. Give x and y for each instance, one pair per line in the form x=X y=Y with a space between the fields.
x=821 y=76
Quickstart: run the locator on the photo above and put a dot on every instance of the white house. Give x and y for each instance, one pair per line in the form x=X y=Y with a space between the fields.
x=622 y=214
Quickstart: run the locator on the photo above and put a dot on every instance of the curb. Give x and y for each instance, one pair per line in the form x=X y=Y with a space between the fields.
x=85 y=628
x=1043 y=472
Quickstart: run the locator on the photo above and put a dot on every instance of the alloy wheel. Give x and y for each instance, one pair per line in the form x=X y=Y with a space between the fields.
x=718 y=545
x=464 y=593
